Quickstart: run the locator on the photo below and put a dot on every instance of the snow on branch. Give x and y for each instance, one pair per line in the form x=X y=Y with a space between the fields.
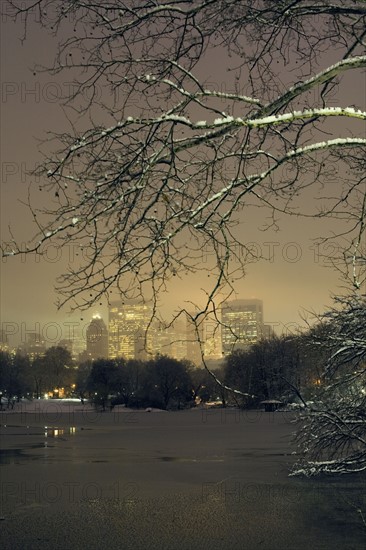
x=306 y=114
x=330 y=143
x=324 y=76
x=251 y=123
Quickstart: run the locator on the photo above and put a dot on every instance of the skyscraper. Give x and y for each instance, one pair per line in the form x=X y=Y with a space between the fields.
x=129 y=336
x=34 y=346
x=97 y=339
x=242 y=324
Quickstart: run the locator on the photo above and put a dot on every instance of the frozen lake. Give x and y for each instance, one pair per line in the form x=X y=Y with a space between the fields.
x=217 y=479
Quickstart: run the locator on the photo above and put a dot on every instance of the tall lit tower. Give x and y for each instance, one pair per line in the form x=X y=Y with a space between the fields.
x=97 y=339
x=129 y=336
x=242 y=324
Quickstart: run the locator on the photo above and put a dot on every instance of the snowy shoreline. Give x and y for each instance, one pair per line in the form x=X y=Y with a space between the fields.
x=64 y=406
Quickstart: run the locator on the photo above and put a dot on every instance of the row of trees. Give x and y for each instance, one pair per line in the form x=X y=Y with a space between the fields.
x=277 y=368
x=284 y=368
x=163 y=382
x=274 y=368
x=22 y=376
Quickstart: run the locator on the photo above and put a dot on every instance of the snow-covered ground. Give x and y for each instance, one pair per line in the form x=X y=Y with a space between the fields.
x=62 y=406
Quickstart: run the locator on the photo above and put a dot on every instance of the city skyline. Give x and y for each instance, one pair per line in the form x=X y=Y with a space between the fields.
x=283 y=315
x=132 y=331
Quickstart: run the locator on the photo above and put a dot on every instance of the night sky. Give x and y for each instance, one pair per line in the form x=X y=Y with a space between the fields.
x=295 y=280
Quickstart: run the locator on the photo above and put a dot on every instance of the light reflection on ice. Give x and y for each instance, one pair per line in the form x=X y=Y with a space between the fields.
x=56 y=432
